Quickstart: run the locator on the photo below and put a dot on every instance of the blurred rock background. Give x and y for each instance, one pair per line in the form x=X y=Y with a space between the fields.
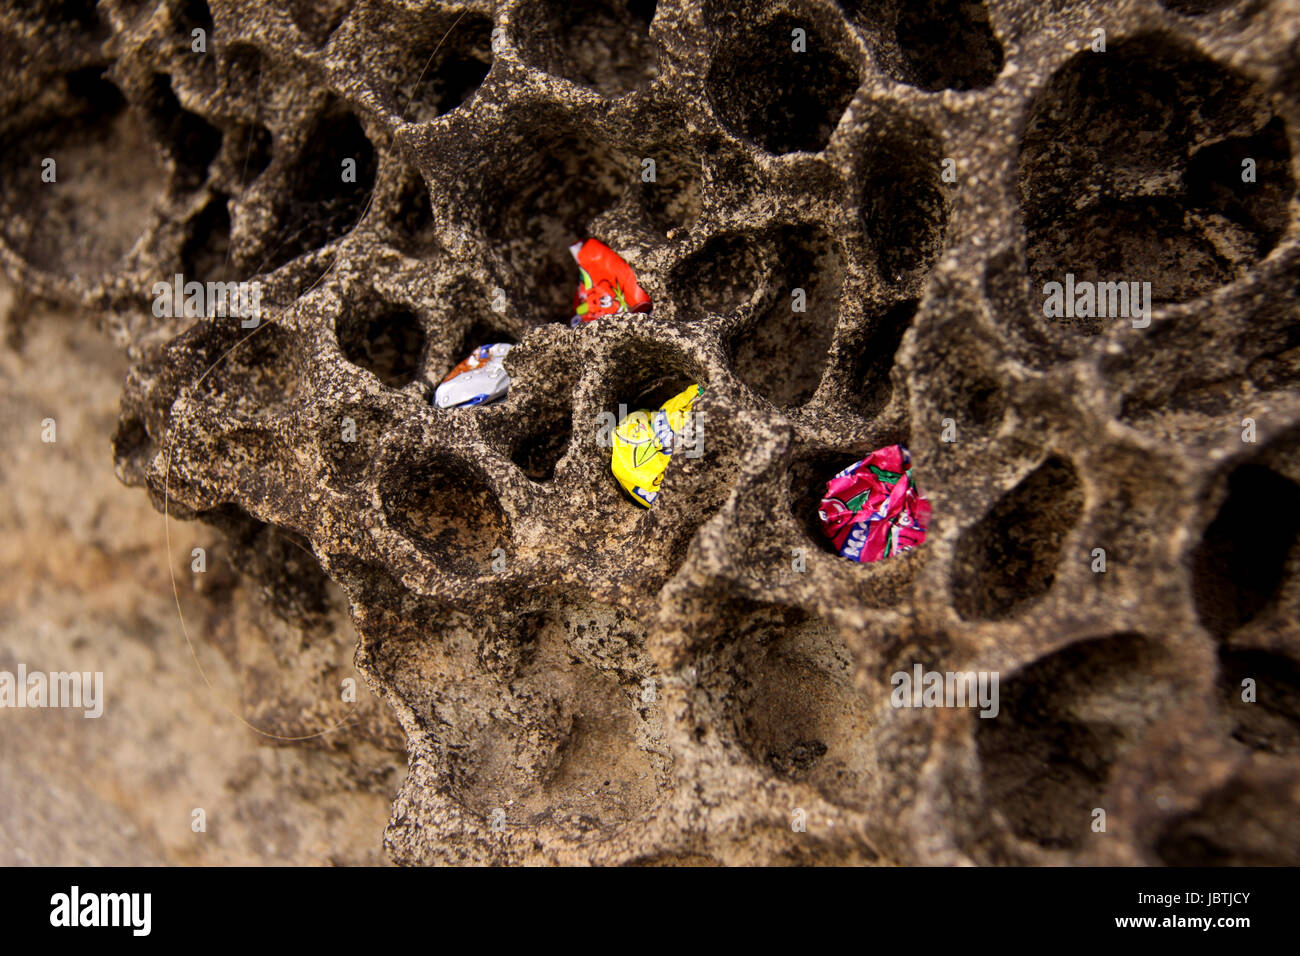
x=84 y=585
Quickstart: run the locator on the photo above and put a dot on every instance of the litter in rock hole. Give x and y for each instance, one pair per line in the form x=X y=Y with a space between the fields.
x=873 y=509
x=478 y=380
x=607 y=285
x=645 y=441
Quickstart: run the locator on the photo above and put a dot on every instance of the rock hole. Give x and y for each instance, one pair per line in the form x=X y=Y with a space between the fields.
x=788 y=693
x=644 y=375
x=904 y=210
x=249 y=149
x=723 y=275
x=762 y=350
x=931 y=44
x=280 y=560
x=602 y=44
x=871 y=358
x=133 y=450
x=1243 y=823
x=1064 y=721
x=482 y=331
x=194 y=14
x=1168 y=207
x=674 y=199
x=110 y=179
x=448 y=512
x=1241 y=561
x=1009 y=558
x=188 y=140
x=413 y=226
x=534 y=212
x=317 y=205
x=890 y=579
x=205 y=254
x=543 y=443
x=784 y=101
x=389 y=344
x=445 y=70
x=1194 y=8
x=1271 y=723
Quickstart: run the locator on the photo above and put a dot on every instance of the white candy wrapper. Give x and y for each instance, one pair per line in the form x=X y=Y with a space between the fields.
x=478 y=380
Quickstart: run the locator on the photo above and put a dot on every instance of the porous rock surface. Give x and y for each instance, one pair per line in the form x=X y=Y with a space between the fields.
x=579 y=680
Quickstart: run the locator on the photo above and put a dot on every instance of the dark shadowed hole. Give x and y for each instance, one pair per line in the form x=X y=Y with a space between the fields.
x=1170 y=207
x=1194 y=8
x=80 y=13
x=543 y=440
x=448 y=512
x=281 y=561
x=133 y=449
x=1270 y=723
x=783 y=100
x=195 y=13
x=318 y=206
x=1010 y=556
x=1239 y=824
x=871 y=359
x=948 y=44
x=809 y=276
x=1241 y=560
x=444 y=71
x=483 y=332
x=674 y=199
x=413 y=225
x=189 y=140
x=1259 y=208
x=205 y=254
x=1046 y=764
x=603 y=44
x=250 y=150
x=1272 y=342
x=390 y=345
x=534 y=212
x=651 y=391
x=903 y=207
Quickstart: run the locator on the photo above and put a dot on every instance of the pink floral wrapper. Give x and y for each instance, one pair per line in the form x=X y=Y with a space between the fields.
x=873 y=509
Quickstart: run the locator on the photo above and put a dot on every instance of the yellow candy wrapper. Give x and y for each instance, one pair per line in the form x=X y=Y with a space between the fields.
x=643 y=445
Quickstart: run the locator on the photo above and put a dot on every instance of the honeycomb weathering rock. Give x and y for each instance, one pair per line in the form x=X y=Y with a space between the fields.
x=582 y=681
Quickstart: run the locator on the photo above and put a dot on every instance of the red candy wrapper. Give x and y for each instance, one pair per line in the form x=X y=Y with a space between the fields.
x=608 y=284
x=872 y=509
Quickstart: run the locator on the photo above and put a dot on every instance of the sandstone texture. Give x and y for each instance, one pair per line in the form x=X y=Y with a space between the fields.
x=581 y=681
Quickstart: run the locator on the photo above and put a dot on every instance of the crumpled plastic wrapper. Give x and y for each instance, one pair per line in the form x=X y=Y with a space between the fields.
x=607 y=284
x=872 y=509
x=478 y=380
x=644 y=443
